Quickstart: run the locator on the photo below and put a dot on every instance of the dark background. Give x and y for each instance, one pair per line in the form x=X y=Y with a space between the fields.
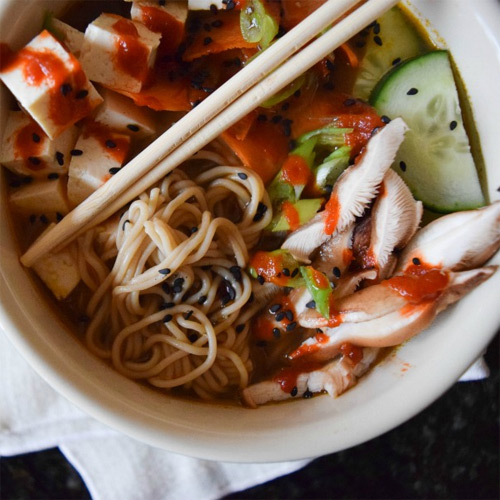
x=450 y=450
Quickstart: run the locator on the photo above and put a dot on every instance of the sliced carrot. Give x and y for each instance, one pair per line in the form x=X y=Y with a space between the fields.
x=349 y=54
x=295 y=11
x=264 y=149
x=241 y=129
x=220 y=38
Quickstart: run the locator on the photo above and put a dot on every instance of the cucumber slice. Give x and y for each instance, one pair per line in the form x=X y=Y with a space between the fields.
x=435 y=158
x=400 y=41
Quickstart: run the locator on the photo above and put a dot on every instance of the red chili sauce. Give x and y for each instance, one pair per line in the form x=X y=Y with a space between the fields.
x=28 y=145
x=171 y=29
x=291 y=215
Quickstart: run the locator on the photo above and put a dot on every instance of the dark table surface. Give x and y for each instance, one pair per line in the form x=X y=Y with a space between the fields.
x=450 y=450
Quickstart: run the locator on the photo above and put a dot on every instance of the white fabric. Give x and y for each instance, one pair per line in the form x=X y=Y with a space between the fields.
x=34 y=417
x=113 y=466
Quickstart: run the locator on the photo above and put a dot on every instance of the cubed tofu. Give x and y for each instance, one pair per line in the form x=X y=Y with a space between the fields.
x=69 y=36
x=99 y=153
x=59 y=270
x=50 y=84
x=42 y=198
x=205 y=4
x=118 y=52
x=167 y=19
x=121 y=114
x=28 y=151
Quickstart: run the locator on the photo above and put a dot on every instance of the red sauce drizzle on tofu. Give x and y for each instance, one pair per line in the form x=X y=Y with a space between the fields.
x=28 y=145
x=131 y=54
x=65 y=81
x=171 y=29
x=115 y=145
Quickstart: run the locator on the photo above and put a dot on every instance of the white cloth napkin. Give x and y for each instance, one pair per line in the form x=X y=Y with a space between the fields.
x=34 y=417
x=113 y=466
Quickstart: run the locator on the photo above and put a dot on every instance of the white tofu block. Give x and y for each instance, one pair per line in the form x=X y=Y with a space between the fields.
x=41 y=198
x=95 y=165
x=27 y=151
x=49 y=83
x=69 y=36
x=205 y=4
x=118 y=52
x=176 y=9
x=59 y=271
x=121 y=114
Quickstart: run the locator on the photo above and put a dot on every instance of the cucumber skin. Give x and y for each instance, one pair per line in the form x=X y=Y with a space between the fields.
x=440 y=188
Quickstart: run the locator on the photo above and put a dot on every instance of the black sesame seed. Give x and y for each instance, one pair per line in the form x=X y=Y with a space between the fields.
x=110 y=144
x=167 y=318
x=329 y=65
x=349 y=102
x=132 y=127
x=412 y=91
x=276 y=333
x=82 y=94
x=286 y=272
x=188 y=314
x=207 y=40
x=307 y=394
x=193 y=230
x=167 y=305
x=213 y=8
x=396 y=61
x=202 y=300
x=261 y=279
x=329 y=188
x=166 y=288
x=336 y=272
x=230 y=5
x=34 y=160
x=28 y=180
x=207 y=27
x=76 y=152
x=287 y=127
x=59 y=216
x=311 y=304
x=295 y=272
x=195 y=103
x=217 y=23
x=32 y=218
x=60 y=158
x=377 y=40
x=374 y=131
x=376 y=29
x=44 y=219
x=319 y=330
x=236 y=272
x=291 y=326
x=289 y=315
x=240 y=328
x=280 y=316
x=276 y=118
x=453 y=125
x=124 y=223
x=292 y=144
x=66 y=88
x=261 y=210
x=165 y=271
x=275 y=308
x=294 y=391
x=297 y=93
x=242 y=175
x=285 y=106
x=114 y=170
x=53 y=176
x=35 y=137
x=179 y=282
x=162 y=3
x=385 y=119
x=402 y=165
x=177 y=289
x=416 y=261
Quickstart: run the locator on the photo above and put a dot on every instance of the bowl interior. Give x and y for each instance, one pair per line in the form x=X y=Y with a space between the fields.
x=403 y=384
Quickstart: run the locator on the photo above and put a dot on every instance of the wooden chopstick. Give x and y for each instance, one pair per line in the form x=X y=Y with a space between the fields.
x=216 y=113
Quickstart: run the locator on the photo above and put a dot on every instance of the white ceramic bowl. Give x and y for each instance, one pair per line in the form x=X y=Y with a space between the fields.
x=405 y=383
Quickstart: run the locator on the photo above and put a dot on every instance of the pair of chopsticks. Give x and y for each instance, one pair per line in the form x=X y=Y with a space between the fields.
x=266 y=75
